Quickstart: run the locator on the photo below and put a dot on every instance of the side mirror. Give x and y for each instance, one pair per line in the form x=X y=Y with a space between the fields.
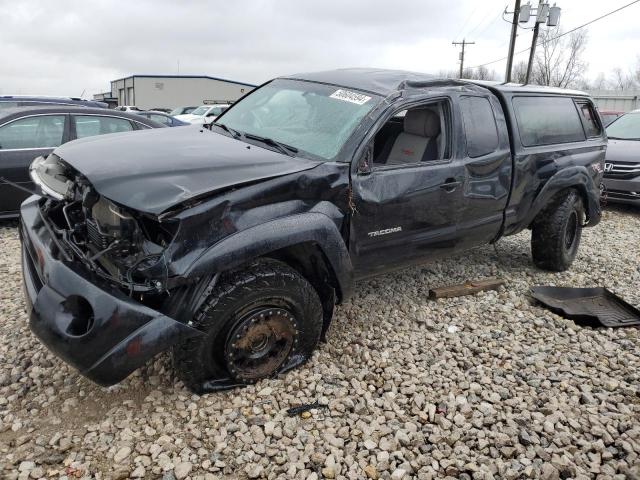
x=365 y=165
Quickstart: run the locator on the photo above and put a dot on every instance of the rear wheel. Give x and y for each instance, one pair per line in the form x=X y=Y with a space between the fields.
x=556 y=232
x=258 y=322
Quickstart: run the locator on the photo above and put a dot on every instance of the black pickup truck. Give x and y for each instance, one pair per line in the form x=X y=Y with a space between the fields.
x=233 y=244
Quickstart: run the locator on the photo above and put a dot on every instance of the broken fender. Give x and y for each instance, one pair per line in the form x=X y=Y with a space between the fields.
x=577 y=177
x=265 y=238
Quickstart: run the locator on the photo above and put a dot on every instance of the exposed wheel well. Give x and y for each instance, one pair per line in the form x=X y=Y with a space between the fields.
x=579 y=189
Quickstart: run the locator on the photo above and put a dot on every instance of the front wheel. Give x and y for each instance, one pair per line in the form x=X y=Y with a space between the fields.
x=258 y=322
x=556 y=232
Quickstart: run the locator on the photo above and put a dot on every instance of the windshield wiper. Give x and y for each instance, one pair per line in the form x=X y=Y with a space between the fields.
x=620 y=138
x=283 y=147
x=234 y=133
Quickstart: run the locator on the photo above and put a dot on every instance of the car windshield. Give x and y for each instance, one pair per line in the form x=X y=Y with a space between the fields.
x=627 y=127
x=314 y=118
x=201 y=110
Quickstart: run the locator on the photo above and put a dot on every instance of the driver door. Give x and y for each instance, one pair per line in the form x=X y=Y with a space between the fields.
x=405 y=212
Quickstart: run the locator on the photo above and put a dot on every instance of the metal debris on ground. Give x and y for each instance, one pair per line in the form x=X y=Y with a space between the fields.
x=300 y=409
x=468 y=288
x=590 y=306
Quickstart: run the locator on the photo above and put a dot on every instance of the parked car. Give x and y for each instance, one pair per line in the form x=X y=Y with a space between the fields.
x=28 y=132
x=234 y=244
x=129 y=108
x=163 y=118
x=622 y=164
x=204 y=114
x=609 y=116
x=160 y=109
x=14 y=101
x=181 y=111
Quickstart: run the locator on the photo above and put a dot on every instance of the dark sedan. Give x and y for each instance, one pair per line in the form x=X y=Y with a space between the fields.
x=16 y=101
x=27 y=133
x=622 y=163
x=163 y=118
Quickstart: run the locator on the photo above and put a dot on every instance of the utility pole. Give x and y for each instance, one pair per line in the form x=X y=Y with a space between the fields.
x=512 y=43
x=532 y=52
x=463 y=43
x=544 y=14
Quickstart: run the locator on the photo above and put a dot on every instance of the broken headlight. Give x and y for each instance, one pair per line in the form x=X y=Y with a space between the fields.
x=51 y=175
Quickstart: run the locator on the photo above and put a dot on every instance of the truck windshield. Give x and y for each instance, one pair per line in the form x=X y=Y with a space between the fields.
x=627 y=127
x=313 y=118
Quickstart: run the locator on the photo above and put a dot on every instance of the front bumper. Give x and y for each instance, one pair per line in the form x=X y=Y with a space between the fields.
x=89 y=324
x=623 y=190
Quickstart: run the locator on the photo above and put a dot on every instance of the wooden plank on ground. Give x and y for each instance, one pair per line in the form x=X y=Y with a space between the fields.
x=467 y=288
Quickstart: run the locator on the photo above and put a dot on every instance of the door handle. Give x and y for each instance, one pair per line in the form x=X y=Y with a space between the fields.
x=450 y=184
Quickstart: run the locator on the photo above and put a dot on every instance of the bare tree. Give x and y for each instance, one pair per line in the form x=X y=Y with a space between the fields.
x=479 y=73
x=519 y=72
x=621 y=80
x=483 y=73
x=558 y=61
x=600 y=82
x=449 y=73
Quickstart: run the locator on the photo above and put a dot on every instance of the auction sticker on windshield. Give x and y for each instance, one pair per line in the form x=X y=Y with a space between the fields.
x=348 y=96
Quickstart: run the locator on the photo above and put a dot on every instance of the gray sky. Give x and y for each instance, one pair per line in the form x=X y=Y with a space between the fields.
x=65 y=47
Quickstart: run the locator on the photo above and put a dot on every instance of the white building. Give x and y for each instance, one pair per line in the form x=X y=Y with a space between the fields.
x=616 y=100
x=169 y=91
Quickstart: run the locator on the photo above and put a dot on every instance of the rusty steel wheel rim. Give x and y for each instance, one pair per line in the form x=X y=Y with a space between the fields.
x=261 y=343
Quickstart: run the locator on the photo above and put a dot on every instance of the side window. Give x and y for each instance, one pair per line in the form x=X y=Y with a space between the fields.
x=590 y=119
x=413 y=136
x=160 y=119
x=547 y=120
x=90 y=125
x=479 y=126
x=45 y=131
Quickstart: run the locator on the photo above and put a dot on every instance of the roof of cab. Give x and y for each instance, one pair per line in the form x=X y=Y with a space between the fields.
x=520 y=88
x=385 y=82
x=373 y=80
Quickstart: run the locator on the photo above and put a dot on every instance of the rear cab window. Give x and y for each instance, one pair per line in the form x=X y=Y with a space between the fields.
x=479 y=125
x=547 y=120
x=590 y=119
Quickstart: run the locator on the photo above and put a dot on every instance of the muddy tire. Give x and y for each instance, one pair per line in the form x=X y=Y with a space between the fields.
x=556 y=232
x=258 y=321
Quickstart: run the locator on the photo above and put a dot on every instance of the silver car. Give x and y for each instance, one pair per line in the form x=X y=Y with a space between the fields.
x=622 y=163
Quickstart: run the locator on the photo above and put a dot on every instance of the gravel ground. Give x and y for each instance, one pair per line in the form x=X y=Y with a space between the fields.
x=513 y=391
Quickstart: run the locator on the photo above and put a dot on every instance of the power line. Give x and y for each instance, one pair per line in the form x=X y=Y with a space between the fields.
x=562 y=34
x=467 y=20
x=483 y=22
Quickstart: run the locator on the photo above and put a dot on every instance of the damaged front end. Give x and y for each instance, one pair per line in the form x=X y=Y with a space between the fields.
x=123 y=247
x=95 y=276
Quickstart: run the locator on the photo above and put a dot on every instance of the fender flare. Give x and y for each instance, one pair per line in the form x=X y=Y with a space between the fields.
x=571 y=177
x=262 y=239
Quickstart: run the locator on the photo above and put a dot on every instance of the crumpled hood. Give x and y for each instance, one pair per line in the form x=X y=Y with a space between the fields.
x=154 y=170
x=623 y=150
